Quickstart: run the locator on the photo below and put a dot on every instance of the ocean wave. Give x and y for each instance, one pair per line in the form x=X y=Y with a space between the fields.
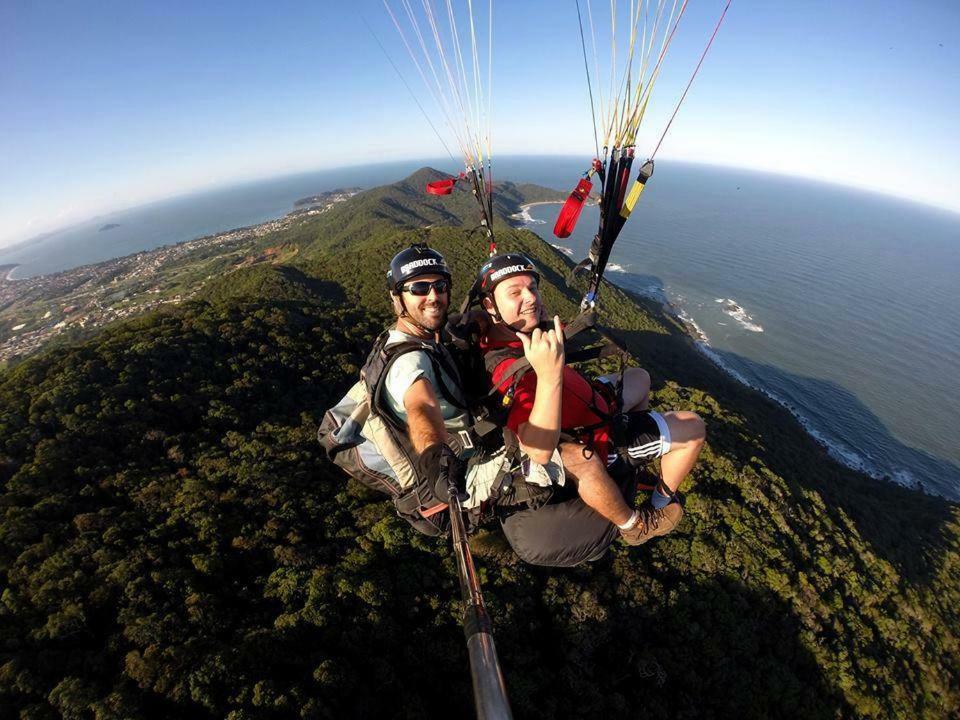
x=615 y=267
x=564 y=250
x=743 y=318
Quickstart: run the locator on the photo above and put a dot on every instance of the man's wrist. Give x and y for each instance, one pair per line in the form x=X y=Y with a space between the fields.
x=550 y=376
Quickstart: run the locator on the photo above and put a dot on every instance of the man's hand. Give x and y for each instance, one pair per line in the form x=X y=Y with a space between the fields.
x=544 y=351
x=440 y=465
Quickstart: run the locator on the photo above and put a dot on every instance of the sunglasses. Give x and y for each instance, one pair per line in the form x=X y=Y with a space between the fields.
x=422 y=288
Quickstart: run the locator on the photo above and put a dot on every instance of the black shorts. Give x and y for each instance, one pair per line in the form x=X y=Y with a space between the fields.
x=639 y=437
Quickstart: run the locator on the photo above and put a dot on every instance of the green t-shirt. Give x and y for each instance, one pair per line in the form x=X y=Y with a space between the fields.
x=410 y=367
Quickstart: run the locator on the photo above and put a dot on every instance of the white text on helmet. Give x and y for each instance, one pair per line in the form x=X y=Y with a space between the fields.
x=508 y=270
x=404 y=269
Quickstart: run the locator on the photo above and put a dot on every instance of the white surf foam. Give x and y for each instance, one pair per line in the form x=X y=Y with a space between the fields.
x=685 y=318
x=564 y=250
x=738 y=313
x=615 y=267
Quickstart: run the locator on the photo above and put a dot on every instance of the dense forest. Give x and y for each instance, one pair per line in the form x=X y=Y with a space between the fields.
x=173 y=544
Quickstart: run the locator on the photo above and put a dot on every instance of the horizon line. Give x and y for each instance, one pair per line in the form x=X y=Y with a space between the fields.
x=198 y=190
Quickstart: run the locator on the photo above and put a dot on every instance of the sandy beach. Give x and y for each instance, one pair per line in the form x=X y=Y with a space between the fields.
x=524 y=214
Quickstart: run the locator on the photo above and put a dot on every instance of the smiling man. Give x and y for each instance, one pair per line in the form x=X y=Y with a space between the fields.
x=554 y=404
x=422 y=389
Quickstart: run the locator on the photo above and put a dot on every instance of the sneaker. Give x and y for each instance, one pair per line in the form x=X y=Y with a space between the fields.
x=653 y=523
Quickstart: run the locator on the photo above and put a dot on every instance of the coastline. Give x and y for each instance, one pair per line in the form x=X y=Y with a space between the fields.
x=525 y=218
x=541 y=202
x=272 y=223
x=840 y=454
x=144 y=253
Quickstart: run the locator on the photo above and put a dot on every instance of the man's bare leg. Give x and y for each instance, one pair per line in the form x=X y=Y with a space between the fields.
x=687 y=435
x=597 y=489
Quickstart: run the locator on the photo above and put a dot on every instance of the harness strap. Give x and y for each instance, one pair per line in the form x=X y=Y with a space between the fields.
x=522 y=365
x=460 y=440
x=503 y=482
x=586 y=319
x=390 y=354
x=434 y=510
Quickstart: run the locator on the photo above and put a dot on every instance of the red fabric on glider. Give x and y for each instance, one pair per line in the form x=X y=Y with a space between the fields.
x=570 y=212
x=441 y=187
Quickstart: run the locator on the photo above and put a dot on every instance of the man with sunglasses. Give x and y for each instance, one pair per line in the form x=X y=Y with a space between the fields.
x=422 y=387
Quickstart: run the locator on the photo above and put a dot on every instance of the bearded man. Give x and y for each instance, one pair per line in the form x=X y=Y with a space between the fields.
x=422 y=388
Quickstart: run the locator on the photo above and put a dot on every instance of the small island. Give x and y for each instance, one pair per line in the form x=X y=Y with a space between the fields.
x=108 y=226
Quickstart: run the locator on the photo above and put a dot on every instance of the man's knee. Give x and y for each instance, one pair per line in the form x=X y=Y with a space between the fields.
x=637 y=377
x=636 y=387
x=686 y=428
x=574 y=454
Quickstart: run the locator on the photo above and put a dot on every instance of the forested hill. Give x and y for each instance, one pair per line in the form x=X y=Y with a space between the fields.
x=173 y=544
x=405 y=204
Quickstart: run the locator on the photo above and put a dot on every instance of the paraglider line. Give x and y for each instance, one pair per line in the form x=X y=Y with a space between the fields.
x=586 y=68
x=695 y=71
x=407 y=86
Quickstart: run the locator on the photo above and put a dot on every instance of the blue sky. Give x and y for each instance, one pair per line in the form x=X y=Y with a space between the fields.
x=110 y=104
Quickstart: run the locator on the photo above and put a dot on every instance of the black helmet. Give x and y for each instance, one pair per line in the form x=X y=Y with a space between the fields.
x=412 y=262
x=500 y=267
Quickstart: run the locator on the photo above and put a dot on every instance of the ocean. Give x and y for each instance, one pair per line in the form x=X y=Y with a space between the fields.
x=186 y=217
x=838 y=303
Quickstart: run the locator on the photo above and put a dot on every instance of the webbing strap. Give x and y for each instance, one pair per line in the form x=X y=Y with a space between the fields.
x=428 y=512
x=511 y=444
x=586 y=319
x=646 y=172
x=392 y=353
x=519 y=367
